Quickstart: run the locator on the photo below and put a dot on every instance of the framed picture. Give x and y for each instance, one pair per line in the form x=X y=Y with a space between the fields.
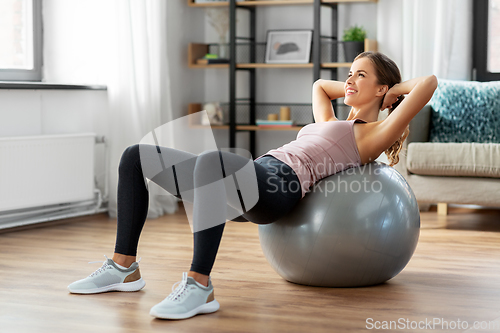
x=288 y=46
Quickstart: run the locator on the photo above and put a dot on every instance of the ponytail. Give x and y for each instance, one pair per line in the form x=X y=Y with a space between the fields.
x=393 y=151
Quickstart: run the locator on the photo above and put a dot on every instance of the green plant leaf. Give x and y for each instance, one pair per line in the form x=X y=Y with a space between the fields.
x=354 y=34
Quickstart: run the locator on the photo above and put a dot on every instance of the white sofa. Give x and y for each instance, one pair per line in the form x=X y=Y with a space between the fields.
x=443 y=173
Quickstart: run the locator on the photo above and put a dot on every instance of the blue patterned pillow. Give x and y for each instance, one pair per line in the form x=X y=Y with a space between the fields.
x=465 y=111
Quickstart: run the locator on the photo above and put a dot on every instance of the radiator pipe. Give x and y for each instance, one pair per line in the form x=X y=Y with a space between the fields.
x=52 y=218
x=97 y=202
x=47 y=209
x=103 y=140
x=96 y=210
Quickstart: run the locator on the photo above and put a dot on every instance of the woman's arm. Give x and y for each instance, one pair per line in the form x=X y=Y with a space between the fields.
x=324 y=91
x=407 y=87
x=420 y=91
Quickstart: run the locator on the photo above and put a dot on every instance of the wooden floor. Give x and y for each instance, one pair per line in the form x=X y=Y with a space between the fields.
x=454 y=275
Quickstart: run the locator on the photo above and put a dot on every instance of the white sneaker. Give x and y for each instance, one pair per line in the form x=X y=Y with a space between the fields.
x=187 y=300
x=109 y=278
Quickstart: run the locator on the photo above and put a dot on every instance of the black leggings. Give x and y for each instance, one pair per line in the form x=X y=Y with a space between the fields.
x=181 y=174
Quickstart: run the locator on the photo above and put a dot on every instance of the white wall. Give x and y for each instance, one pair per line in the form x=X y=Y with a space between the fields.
x=76 y=34
x=29 y=112
x=185 y=25
x=68 y=59
x=36 y=112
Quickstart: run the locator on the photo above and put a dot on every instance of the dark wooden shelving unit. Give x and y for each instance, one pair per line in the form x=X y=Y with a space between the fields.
x=196 y=51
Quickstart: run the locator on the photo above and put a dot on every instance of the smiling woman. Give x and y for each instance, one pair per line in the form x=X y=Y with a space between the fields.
x=280 y=178
x=373 y=84
x=382 y=74
x=363 y=90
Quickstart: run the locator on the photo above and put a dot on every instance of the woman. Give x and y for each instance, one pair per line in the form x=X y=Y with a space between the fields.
x=321 y=149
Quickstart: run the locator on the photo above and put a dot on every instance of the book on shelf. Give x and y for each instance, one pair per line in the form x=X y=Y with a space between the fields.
x=205 y=1
x=274 y=123
x=204 y=61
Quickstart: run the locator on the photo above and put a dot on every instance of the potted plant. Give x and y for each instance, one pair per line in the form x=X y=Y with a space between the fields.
x=353 y=41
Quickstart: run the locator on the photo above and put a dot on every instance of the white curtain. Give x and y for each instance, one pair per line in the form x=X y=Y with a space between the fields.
x=427 y=36
x=138 y=87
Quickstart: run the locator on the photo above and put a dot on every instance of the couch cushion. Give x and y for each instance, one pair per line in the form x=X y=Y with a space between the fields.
x=454 y=159
x=465 y=111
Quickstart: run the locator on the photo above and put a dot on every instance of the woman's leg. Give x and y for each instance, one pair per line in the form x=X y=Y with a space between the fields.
x=186 y=175
x=137 y=163
x=173 y=170
x=278 y=192
x=195 y=293
x=133 y=197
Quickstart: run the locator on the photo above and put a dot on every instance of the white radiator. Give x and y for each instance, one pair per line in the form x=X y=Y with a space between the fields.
x=40 y=171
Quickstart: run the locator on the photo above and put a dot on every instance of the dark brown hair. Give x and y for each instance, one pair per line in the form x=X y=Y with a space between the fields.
x=387 y=73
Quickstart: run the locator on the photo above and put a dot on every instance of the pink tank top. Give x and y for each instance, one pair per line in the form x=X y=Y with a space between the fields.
x=320 y=150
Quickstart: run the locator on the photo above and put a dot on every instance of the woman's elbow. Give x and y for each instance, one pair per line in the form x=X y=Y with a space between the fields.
x=431 y=81
x=318 y=83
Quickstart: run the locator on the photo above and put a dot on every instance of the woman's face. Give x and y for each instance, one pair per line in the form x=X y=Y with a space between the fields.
x=361 y=86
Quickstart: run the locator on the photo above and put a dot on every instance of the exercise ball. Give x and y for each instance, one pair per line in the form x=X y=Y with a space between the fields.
x=355 y=228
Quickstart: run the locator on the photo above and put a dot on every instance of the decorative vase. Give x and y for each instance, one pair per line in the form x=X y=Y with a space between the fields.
x=352 y=49
x=223 y=48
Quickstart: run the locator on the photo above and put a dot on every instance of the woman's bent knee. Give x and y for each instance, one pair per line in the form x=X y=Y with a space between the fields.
x=129 y=157
x=208 y=168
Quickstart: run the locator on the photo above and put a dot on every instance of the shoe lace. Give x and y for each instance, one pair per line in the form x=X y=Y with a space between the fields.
x=104 y=266
x=101 y=269
x=179 y=289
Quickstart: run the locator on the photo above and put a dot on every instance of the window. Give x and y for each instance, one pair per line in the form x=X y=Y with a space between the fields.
x=486 y=40
x=20 y=40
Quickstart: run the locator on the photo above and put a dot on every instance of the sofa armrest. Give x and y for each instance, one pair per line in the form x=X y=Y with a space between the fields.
x=419 y=132
x=420 y=125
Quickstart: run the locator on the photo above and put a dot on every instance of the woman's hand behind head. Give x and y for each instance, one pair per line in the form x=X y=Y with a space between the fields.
x=391 y=97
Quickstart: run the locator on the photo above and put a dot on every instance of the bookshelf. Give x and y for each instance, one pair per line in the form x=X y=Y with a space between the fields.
x=248 y=56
